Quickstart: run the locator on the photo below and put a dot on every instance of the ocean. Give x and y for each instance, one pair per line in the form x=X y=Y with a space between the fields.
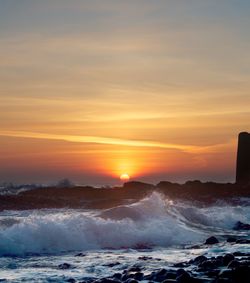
x=59 y=245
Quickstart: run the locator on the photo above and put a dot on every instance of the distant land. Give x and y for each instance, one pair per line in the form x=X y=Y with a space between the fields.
x=91 y=197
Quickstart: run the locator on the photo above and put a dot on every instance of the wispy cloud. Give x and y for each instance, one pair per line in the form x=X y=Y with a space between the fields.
x=113 y=141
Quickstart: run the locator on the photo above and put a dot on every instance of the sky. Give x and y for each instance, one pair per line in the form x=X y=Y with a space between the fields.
x=90 y=90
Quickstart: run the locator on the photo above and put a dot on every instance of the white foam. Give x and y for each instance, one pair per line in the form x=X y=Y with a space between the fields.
x=153 y=221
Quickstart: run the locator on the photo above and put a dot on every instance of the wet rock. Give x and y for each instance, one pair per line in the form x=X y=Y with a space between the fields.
x=207 y=264
x=241 y=274
x=81 y=254
x=184 y=278
x=117 y=276
x=180 y=264
x=180 y=272
x=243 y=241
x=198 y=260
x=211 y=241
x=169 y=281
x=135 y=268
x=71 y=280
x=231 y=240
x=145 y=258
x=233 y=264
x=138 y=276
x=64 y=265
x=160 y=275
x=226 y=273
x=227 y=258
x=112 y=264
x=241 y=226
x=171 y=275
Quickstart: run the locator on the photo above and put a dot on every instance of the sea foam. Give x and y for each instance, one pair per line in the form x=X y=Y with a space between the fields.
x=153 y=221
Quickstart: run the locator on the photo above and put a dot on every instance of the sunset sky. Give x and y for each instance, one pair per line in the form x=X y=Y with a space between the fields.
x=90 y=90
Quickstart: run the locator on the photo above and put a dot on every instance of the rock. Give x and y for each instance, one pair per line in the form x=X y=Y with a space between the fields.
x=71 y=280
x=64 y=266
x=145 y=257
x=117 y=276
x=233 y=264
x=243 y=241
x=180 y=272
x=211 y=241
x=169 y=281
x=241 y=274
x=160 y=275
x=231 y=240
x=184 y=278
x=80 y=254
x=207 y=264
x=112 y=264
x=227 y=258
x=180 y=264
x=138 y=276
x=198 y=260
x=135 y=268
x=241 y=226
x=171 y=275
x=226 y=273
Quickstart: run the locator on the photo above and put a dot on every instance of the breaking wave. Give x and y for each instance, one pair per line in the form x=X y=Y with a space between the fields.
x=153 y=221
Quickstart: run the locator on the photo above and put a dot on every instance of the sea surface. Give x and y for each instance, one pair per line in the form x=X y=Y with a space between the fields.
x=153 y=233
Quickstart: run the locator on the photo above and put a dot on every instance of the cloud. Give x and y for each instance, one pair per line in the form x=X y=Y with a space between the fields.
x=114 y=141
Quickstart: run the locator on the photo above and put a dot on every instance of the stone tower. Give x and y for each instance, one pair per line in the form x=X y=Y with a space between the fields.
x=243 y=158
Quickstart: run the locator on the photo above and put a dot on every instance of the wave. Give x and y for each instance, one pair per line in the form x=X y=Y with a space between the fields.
x=153 y=221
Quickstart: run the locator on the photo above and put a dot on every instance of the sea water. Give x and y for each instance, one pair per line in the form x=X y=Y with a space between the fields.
x=153 y=233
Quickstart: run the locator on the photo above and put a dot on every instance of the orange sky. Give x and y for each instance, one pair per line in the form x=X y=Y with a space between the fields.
x=155 y=89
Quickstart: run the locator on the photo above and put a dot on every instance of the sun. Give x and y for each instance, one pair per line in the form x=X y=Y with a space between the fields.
x=124 y=177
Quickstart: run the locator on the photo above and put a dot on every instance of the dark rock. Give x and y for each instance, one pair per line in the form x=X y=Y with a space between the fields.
x=241 y=274
x=80 y=254
x=226 y=273
x=211 y=241
x=171 y=275
x=184 y=278
x=64 y=266
x=138 y=276
x=145 y=257
x=231 y=240
x=71 y=280
x=241 y=226
x=227 y=258
x=233 y=264
x=135 y=268
x=127 y=276
x=117 y=276
x=243 y=241
x=180 y=272
x=207 y=264
x=169 y=281
x=180 y=264
x=112 y=264
x=198 y=260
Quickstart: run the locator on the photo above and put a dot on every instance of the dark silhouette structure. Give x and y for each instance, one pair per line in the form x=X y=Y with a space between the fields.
x=243 y=159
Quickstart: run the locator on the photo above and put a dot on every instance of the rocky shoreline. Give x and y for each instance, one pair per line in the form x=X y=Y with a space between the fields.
x=224 y=268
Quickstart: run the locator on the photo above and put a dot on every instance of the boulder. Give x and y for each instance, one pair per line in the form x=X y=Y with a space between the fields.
x=211 y=241
x=241 y=226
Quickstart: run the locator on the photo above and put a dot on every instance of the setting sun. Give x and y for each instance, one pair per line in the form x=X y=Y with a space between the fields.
x=124 y=177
